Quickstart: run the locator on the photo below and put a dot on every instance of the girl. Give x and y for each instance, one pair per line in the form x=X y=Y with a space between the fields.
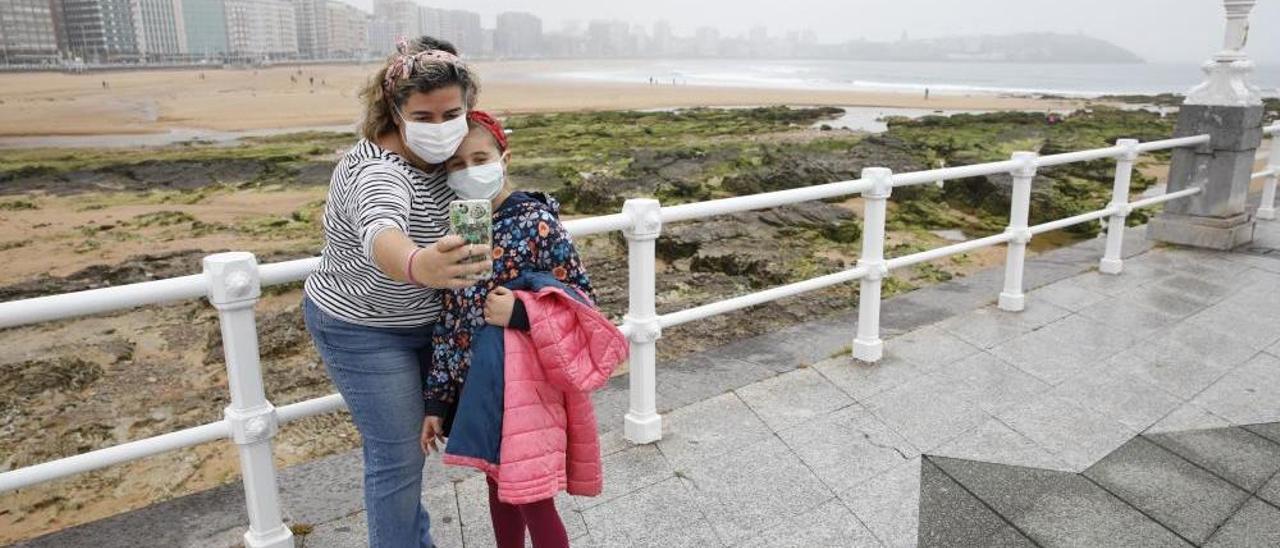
x=371 y=303
x=528 y=345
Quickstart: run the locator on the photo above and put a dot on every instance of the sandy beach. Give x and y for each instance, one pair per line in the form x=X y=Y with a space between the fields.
x=36 y=104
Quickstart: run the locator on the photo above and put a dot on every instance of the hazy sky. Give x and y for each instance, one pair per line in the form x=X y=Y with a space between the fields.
x=1157 y=30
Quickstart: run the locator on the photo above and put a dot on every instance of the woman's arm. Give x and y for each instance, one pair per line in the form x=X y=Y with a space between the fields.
x=439 y=265
x=383 y=201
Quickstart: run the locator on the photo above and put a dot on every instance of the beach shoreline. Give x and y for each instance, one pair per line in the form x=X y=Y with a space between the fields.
x=287 y=97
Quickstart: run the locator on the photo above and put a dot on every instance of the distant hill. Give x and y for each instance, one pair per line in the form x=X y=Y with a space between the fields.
x=1026 y=47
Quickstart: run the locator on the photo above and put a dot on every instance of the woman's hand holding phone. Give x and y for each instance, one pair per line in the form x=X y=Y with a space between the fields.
x=449 y=263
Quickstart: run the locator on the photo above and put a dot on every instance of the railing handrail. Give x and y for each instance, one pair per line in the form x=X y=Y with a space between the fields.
x=1024 y=166
x=123 y=297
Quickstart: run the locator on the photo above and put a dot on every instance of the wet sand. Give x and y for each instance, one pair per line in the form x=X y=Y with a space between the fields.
x=44 y=104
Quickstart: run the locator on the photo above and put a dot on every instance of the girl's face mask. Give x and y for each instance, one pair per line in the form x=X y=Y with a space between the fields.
x=482 y=182
x=434 y=143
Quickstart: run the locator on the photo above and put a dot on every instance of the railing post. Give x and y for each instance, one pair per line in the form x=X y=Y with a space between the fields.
x=1012 y=299
x=234 y=288
x=642 y=423
x=867 y=345
x=1112 y=263
x=1267 y=208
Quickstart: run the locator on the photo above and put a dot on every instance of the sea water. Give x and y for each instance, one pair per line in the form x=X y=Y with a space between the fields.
x=951 y=78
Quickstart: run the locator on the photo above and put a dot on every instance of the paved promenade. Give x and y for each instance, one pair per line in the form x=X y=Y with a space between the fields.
x=1131 y=410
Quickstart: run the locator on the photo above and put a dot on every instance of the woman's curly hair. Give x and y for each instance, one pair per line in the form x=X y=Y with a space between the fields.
x=423 y=65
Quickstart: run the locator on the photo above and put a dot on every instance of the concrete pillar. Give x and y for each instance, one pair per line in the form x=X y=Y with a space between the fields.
x=1228 y=108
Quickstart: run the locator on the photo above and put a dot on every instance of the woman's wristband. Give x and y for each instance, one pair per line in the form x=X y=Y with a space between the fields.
x=408 y=270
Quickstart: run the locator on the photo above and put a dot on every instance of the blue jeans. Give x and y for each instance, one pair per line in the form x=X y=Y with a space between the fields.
x=377 y=371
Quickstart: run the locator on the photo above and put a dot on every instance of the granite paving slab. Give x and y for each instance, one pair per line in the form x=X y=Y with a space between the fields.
x=1256 y=525
x=1181 y=496
x=927 y=411
x=888 y=504
x=831 y=524
x=756 y=488
x=708 y=429
x=1239 y=456
x=793 y=398
x=951 y=516
x=664 y=514
x=848 y=447
x=1076 y=436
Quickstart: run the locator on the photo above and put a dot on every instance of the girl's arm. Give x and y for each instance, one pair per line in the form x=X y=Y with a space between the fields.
x=443 y=376
x=549 y=249
x=557 y=254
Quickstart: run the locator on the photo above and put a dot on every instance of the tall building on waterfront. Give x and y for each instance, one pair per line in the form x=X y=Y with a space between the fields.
x=518 y=34
x=98 y=31
x=609 y=39
x=27 y=32
x=348 y=29
x=664 y=40
x=160 y=28
x=261 y=29
x=463 y=29
x=430 y=21
x=381 y=37
x=401 y=18
x=312 y=20
x=707 y=42
x=204 y=24
x=459 y=27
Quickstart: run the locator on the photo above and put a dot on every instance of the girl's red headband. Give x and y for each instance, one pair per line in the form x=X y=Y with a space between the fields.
x=492 y=124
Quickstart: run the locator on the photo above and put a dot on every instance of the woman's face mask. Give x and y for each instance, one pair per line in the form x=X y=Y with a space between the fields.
x=434 y=143
x=482 y=182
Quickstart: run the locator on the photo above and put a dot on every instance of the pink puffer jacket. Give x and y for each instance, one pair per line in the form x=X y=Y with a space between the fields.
x=550 y=440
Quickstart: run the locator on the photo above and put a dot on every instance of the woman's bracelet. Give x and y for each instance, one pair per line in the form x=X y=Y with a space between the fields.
x=408 y=270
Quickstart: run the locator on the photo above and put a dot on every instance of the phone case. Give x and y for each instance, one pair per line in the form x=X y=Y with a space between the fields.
x=473 y=220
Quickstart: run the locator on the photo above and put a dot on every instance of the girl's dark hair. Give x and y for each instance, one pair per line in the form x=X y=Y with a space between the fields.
x=426 y=76
x=427 y=43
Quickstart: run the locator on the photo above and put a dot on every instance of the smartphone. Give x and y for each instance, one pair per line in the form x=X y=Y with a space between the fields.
x=473 y=220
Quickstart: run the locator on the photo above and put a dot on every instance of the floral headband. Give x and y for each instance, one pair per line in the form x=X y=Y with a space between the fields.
x=403 y=63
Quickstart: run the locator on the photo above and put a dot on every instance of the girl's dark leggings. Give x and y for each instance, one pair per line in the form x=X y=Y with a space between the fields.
x=541 y=519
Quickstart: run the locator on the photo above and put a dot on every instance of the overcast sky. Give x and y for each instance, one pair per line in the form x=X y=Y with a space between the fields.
x=1157 y=30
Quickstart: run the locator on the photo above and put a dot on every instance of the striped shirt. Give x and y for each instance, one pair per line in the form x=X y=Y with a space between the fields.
x=372 y=190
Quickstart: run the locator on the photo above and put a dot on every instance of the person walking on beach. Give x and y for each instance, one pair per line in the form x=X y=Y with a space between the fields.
x=371 y=303
x=499 y=385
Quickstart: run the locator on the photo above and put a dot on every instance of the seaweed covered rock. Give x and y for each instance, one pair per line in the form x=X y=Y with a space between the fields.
x=23 y=380
x=764 y=247
x=280 y=334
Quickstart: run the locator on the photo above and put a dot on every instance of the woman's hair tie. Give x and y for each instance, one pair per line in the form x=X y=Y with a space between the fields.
x=403 y=62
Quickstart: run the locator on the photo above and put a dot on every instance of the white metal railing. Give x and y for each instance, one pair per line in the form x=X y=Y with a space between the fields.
x=1267 y=206
x=232 y=282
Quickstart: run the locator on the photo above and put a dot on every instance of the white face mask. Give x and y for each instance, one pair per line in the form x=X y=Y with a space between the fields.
x=434 y=143
x=481 y=182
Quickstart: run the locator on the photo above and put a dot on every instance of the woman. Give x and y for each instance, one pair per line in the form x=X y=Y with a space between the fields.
x=371 y=303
